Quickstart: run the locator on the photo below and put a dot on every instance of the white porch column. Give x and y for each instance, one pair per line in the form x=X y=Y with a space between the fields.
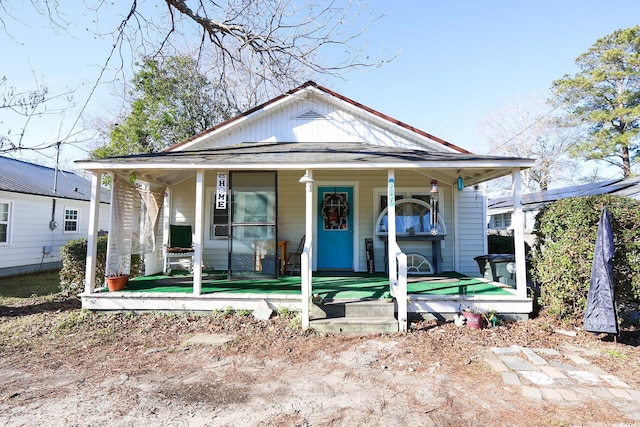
x=199 y=233
x=92 y=239
x=166 y=221
x=391 y=227
x=306 y=264
x=518 y=235
x=112 y=203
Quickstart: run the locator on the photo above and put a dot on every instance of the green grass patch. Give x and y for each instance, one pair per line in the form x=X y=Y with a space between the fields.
x=30 y=285
x=616 y=354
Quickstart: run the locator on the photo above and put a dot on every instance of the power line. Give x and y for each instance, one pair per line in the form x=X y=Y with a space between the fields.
x=522 y=131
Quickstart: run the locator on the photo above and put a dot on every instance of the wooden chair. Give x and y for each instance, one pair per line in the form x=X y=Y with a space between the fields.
x=180 y=248
x=293 y=258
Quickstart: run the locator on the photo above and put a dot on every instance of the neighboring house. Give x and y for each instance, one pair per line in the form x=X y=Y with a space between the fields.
x=40 y=210
x=500 y=210
x=309 y=163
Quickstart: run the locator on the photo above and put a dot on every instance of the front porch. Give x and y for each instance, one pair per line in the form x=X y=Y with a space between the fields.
x=364 y=191
x=440 y=295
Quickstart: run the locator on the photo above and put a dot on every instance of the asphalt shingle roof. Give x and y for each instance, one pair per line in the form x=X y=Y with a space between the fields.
x=302 y=153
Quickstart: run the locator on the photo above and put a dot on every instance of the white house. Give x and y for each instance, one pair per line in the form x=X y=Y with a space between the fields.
x=358 y=185
x=40 y=210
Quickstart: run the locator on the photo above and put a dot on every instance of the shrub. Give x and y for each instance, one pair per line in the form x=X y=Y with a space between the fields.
x=566 y=236
x=74 y=261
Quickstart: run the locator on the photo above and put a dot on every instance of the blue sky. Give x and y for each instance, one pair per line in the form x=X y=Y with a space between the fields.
x=457 y=60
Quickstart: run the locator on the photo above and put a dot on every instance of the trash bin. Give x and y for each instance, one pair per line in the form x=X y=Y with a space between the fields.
x=499 y=268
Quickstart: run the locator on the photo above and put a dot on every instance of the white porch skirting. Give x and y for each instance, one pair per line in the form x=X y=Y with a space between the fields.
x=176 y=302
x=511 y=307
x=444 y=306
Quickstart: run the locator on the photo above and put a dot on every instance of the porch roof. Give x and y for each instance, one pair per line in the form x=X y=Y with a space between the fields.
x=173 y=166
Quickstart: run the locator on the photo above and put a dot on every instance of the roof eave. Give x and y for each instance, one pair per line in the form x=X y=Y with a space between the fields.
x=91 y=165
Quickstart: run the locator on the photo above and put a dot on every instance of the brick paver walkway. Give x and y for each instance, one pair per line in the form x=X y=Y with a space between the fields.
x=559 y=376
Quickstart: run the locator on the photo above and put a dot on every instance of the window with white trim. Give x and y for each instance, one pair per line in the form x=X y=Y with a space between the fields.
x=425 y=197
x=502 y=221
x=5 y=222
x=219 y=219
x=71 y=220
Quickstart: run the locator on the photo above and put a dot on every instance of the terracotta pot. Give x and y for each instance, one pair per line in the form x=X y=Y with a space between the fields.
x=117 y=283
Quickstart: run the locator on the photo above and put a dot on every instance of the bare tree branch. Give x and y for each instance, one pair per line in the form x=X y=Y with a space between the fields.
x=526 y=128
x=254 y=48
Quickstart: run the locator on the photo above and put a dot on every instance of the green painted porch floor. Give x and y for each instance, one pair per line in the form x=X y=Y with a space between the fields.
x=328 y=286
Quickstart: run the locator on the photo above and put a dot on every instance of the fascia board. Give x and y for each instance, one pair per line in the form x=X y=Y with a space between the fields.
x=471 y=164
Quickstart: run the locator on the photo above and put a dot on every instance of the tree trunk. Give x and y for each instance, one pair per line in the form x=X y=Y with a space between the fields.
x=626 y=163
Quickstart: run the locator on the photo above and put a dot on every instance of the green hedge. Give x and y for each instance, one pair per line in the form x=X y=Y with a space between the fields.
x=74 y=261
x=566 y=236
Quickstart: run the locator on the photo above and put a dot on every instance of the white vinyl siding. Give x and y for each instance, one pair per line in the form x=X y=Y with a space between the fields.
x=472 y=232
x=29 y=230
x=281 y=123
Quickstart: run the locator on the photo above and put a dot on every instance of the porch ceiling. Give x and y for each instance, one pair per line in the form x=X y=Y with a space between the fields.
x=173 y=167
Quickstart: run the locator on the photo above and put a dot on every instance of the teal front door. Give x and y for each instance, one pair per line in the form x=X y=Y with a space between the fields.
x=335 y=228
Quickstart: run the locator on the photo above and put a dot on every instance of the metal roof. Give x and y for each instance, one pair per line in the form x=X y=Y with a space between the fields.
x=628 y=187
x=17 y=176
x=164 y=167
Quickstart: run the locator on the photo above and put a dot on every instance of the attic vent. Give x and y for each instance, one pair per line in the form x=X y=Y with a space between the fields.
x=310 y=115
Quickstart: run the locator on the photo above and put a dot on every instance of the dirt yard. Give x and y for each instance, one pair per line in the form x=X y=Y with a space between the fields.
x=63 y=366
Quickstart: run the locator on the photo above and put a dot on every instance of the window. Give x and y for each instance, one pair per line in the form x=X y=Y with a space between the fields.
x=502 y=221
x=71 y=220
x=219 y=219
x=5 y=217
x=425 y=197
x=384 y=199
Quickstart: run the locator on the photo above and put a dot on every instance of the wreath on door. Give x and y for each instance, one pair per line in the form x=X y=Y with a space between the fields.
x=335 y=211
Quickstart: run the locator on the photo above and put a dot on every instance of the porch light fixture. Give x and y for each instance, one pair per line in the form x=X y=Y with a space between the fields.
x=306 y=179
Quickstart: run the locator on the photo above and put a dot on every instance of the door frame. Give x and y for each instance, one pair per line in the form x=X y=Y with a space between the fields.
x=356 y=218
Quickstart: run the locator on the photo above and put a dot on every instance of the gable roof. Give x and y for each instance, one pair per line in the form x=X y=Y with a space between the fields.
x=247 y=142
x=174 y=166
x=334 y=97
x=17 y=176
x=629 y=187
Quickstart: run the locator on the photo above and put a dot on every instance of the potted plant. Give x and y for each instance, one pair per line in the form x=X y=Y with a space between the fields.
x=116 y=281
x=475 y=319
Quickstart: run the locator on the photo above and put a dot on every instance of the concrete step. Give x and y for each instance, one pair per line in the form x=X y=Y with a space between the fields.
x=354 y=316
x=353 y=308
x=355 y=325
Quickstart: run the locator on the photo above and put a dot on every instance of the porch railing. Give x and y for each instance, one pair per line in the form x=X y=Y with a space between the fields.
x=398 y=285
